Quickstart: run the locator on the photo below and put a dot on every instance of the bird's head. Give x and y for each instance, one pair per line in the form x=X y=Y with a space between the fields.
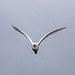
x=34 y=45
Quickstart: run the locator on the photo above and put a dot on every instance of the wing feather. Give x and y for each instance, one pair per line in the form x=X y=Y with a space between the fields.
x=20 y=31
x=50 y=34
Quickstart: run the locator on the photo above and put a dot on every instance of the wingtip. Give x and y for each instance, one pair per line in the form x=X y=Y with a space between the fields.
x=63 y=28
x=12 y=26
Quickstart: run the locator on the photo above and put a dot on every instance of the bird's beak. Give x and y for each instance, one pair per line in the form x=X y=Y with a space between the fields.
x=34 y=45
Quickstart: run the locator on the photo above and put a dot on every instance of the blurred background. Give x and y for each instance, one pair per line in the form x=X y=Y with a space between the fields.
x=56 y=55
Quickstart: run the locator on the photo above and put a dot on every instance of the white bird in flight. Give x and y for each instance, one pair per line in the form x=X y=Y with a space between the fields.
x=35 y=46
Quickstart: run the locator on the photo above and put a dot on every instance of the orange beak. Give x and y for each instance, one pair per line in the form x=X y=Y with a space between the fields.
x=34 y=45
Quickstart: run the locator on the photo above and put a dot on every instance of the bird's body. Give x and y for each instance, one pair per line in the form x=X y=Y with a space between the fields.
x=35 y=46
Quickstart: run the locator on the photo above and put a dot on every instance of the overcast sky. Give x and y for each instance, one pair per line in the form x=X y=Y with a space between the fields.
x=56 y=55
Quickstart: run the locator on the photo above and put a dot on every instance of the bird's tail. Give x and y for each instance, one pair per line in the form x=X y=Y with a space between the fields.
x=35 y=52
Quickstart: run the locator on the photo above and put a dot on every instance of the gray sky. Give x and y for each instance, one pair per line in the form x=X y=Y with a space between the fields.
x=56 y=55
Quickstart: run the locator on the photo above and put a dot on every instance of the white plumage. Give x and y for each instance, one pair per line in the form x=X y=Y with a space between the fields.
x=35 y=46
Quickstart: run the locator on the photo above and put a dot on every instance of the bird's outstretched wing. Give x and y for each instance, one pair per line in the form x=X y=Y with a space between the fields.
x=50 y=34
x=22 y=33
